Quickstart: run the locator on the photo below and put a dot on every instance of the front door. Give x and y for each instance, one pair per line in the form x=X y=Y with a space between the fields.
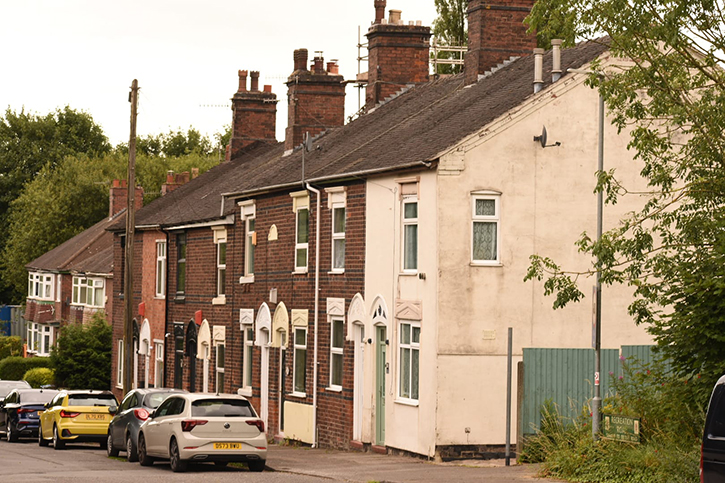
x=358 y=398
x=381 y=369
x=264 y=383
x=282 y=382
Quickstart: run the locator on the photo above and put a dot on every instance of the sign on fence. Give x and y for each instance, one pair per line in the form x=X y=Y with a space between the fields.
x=621 y=428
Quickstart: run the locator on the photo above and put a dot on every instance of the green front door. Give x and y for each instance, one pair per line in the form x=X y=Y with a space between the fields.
x=380 y=370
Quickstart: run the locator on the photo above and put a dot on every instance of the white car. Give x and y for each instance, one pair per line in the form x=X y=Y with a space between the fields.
x=198 y=427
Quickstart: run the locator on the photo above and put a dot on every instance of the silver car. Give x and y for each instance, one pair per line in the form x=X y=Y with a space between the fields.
x=197 y=427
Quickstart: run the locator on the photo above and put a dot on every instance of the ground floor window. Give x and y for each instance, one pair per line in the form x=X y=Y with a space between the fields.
x=409 y=360
x=159 y=364
x=220 y=368
x=300 y=360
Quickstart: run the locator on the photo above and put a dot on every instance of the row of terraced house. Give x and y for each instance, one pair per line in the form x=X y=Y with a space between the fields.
x=358 y=287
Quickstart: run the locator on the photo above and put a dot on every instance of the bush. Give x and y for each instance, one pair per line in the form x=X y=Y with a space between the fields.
x=40 y=376
x=10 y=346
x=14 y=368
x=82 y=355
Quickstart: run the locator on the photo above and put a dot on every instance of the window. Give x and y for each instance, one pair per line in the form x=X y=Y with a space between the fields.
x=89 y=292
x=220 y=368
x=44 y=339
x=247 y=356
x=300 y=360
x=410 y=233
x=33 y=337
x=486 y=233
x=159 y=367
x=122 y=280
x=337 y=339
x=338 y=237
x=119 y=364
x=40 y=286
x=221 y=267
x=160 y=268
x=181 y=264
x=302 y=238
x=409 y=360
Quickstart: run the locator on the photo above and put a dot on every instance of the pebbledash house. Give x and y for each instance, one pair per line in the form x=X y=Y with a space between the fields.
x=357 y=284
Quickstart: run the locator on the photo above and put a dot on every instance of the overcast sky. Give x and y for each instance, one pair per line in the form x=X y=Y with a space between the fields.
x=184 y=53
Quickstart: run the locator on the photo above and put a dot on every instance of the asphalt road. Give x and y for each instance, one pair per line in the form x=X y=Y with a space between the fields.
x=26 y=462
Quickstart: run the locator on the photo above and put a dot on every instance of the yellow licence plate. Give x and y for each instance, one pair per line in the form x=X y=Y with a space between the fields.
x=227 y=445
x=100 y=417
x=39 y=413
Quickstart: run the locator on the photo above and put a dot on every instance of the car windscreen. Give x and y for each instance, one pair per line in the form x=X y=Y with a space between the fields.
x=37 y=397
x=154 y=399
x=7 y=386
x=91 y=400
x=221 y=408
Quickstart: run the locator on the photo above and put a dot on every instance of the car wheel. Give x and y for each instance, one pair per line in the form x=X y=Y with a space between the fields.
x=221 y=463
x=257 y=465
x=143 y=458
x=177 y=464
x=41 y=441
x=11 y=435
x=131 y=453
x=110 y=450
x=57 y=442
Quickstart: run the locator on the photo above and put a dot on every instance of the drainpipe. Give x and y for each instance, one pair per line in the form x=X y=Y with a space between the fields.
x=317 y=304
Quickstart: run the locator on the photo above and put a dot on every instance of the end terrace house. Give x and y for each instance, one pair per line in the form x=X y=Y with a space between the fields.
x=74 y=280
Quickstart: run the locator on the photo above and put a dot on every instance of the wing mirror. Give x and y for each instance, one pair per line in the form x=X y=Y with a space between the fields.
x=152 y=414
x=113 y=409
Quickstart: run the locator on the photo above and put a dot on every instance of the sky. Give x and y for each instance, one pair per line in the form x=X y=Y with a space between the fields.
x=184 y=53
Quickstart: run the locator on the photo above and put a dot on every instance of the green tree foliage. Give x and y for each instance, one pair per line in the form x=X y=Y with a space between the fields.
x=10 y=345
x=175 y=143
x=14 y=368
x=449 y=29
x=40 y=376
x=82 y=355
x=672 y=99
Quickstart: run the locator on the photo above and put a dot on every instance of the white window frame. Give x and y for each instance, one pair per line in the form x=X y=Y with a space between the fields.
x=119 y=364
x=338 y=236
x=336 y=353
x=158 y=363
x=160 y=269
x=411 y=346
x=221 y=268
x=41 y=331
x=302 y=245
x=84 y=292
x=247 y=357
x=41 y=286
x=219 y=371
x=407 y=200
x=32 y=337
x=248 y=216
x=495 y=219
x=299 y=347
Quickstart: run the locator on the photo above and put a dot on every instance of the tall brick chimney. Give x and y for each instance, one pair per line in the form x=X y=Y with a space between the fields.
x=397 y=55
x=316 y=98
x=118 y=197
x=496 y=32
x=254 y=114
x=174 y=180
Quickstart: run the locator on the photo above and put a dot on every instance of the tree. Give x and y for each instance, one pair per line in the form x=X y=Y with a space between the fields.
x=82 y=355
x=672 y=96
x=449 y=29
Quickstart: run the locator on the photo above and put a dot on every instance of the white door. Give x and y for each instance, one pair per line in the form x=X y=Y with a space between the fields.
x=264 y=402
x=207 y=356
x=358 y=390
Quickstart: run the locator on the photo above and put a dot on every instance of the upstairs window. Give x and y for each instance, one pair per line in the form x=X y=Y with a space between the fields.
x=338 y=237
x=160 y=269
x=181 y=264
x=221 y=267
x=90 y=292
x=40 y=286
x=485 y=246
x=410 y=233
x=302 y=239
x=248 y=212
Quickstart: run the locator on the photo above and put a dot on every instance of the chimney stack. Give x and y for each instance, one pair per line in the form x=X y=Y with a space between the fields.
x=253 y=115
x=556 y=60
x=496 y=32
x=316 y=98
x=118 y=197
x=398 y=55
x=538 y=69
x=379 y=11
x=174 y=180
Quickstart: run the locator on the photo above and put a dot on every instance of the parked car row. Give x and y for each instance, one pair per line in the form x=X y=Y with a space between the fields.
x=149 y=424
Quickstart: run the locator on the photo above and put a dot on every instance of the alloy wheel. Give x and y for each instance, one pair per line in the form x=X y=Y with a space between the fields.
x=57 y=442
x=110 y=450
x=177 y=464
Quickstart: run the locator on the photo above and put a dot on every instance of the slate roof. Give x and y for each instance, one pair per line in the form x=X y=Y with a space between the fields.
x=407 y=131
x=91 y=251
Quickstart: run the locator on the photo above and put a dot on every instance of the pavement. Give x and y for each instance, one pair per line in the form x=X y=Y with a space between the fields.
x=359 y=467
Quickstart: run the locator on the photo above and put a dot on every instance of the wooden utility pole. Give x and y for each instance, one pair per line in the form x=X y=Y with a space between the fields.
x=128 y=348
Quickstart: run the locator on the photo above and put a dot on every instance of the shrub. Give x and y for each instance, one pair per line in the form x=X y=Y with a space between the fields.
x=40 y=376
x=82 y=355
x=10 y=346
x=14 y=368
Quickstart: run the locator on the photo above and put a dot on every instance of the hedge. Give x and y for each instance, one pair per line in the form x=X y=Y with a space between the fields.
x=14 y=368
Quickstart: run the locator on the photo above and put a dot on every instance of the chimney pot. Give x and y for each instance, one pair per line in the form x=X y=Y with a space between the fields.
x=379 y=11
x=538 y=69
x=300 y=57
x=242 y=81
x=556 y=59
x=255 y=81
x=194 y=172
x=395 y=16
x=318 y=66
x=169 y=176
x=333 y=68
x=267 y=88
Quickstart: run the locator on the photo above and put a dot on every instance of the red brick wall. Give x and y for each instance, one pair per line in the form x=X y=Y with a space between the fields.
x=398 y=55
x=496 y=33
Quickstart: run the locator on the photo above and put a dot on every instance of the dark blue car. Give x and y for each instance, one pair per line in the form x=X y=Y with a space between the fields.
x=19 y=412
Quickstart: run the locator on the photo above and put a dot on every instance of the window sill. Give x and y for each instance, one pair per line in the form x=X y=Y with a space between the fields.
x=300 y=395
x=159 y=297
x=221 y=300
x=334 y=388
x=247 y=279
x=486 y=264
x=300 y=272
x=407 y=402
x=245 y=391
x=336 y=272
x=180 y=299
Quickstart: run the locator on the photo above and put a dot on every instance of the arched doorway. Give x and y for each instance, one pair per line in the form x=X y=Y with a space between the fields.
x=379 y=317
x=204 y=352
x=264 y=323
x=356 y=333
x=145 y=350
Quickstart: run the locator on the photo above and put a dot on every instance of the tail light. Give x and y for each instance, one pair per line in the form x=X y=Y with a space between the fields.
x=258 y=423
x=68 y=414
x=26 y=410
x=189 y=424
x=141 y=414
x=702 y=460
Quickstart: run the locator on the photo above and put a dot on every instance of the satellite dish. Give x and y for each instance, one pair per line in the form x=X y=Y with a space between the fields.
x=542 y=137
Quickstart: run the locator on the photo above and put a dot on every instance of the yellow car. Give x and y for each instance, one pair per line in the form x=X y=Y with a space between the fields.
x=77 y=417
